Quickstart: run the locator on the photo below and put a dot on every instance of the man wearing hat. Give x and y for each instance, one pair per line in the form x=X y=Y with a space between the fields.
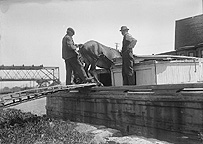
x=70 y=55
x=127 y=57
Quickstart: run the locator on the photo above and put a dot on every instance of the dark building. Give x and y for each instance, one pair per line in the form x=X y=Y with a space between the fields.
x=188 y=37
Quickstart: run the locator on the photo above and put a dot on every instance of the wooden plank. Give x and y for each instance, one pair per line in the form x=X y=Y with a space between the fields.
x=119 y=89
x=164 y=88
x=139 y=58
x=177 y=86
x=31 y=94
x=156 y=57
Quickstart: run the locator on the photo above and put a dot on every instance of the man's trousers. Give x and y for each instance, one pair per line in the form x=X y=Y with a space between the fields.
x=127 y=68
x=74 y=65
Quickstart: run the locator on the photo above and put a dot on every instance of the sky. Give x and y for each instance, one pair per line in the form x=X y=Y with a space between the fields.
x=31 y=30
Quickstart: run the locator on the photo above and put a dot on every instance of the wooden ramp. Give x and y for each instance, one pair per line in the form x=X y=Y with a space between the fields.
x=16 y=98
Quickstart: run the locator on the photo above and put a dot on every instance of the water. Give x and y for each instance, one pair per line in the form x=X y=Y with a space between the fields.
x=37 y=106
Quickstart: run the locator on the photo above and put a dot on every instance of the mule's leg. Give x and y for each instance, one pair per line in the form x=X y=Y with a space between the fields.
x=93 y=73
x=86 y=67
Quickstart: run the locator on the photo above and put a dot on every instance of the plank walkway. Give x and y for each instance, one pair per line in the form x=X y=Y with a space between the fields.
x=16 y=98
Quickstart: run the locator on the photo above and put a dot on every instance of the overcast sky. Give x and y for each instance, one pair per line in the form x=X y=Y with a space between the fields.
x=31 y=30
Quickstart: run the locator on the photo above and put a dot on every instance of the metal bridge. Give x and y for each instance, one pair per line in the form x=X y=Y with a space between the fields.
x=43 y=76
x=47 y=79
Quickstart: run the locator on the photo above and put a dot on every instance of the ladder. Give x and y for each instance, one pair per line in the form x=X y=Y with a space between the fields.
x=19 y=97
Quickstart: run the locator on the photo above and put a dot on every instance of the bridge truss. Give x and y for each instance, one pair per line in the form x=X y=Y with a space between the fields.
x=43 y=76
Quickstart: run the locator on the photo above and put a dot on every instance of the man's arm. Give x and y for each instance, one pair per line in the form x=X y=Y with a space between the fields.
x=132 y=41
x=70 y=43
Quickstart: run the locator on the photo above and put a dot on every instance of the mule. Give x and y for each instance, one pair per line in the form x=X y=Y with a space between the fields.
x=95 y=54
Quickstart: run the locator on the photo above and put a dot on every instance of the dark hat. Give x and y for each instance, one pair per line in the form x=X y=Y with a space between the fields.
x=124 y=28
x=71 y=30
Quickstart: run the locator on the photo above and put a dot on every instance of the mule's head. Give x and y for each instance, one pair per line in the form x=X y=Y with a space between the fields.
x=80 y=45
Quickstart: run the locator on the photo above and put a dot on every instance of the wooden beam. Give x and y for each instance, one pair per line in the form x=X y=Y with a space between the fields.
x=164 y=88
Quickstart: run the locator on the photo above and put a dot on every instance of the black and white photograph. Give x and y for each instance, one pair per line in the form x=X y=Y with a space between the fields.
x=101 y=71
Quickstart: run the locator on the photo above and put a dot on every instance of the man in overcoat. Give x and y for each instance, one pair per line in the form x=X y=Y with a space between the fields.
x=70 y=55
